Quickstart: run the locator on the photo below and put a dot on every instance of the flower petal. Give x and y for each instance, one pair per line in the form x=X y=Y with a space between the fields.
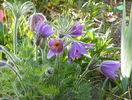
x=108 y=68
x=50 y=54
x=34 y=19
x=50 y=43
x=109 y=74
x=80 y=48
x=77 y=29
x=88 y=45
x=71 y=52
x=111 y=65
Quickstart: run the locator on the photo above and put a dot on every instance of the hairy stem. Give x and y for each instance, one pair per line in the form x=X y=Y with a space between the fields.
x=90 y=65
x=15 y=36
x=10 y=57
x=42 y=54
x=19 y=77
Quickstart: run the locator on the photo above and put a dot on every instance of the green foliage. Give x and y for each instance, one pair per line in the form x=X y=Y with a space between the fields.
x=126 y=47
x=35 y=84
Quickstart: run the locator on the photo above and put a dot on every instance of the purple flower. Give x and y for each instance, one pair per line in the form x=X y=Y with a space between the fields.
x=77 y=29
x=34 y=19
x=76 y=49
x=44 y=30
x=108 y=68
x=56 y=47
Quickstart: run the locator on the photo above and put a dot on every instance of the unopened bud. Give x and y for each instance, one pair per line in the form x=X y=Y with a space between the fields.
x=49 y=71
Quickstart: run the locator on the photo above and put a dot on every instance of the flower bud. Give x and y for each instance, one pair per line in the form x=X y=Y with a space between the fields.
x=49 y=71
x=42 y=43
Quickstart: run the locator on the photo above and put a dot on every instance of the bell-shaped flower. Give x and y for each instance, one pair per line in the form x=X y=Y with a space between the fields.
x=34 y=19
x=56 y=47
x=76 y=49
x=76 y=29
x=44 y=30
x=108 y=68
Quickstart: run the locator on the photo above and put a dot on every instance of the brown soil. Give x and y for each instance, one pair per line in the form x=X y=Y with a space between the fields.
x=116 y=33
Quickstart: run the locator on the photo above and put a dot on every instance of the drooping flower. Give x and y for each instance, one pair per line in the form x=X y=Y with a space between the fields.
x=76 y=29
x=44 y=30
x=56 y=47
x=34 y=19
x=76 y=49
x=1 y=15
x=108 y=68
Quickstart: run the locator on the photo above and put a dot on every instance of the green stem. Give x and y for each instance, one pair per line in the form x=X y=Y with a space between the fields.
x=15 y=36
x=10 y=57
x=15 y=72
x=42 y=55
x=36 y=52
x=83 y=75
x=57 y=68
x=19 y=77
x=45 y=53
x=57 y=61
x=91 y=63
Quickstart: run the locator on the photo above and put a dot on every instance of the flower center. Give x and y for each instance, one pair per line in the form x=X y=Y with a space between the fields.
x=57 y=44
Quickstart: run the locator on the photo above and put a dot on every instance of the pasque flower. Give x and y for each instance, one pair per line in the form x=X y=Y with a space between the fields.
x=56 y=47
x=44 y=30
x=34 y=19
x=1 y=15
x=108 y=68
x=76 y=49
x=77 y=29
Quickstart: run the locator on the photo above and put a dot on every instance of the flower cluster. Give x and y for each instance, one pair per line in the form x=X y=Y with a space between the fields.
x=37 y=24
x=76 y=47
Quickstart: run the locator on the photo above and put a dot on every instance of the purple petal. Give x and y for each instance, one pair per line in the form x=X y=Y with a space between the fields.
x=56 y=46
x=48 y=34
x=77 y=32
x=71 y=52
x=44 y=29
x=50 y=54
x=88 y=45
x=77 y=29
x=50 y=43
x=111 y=65
x=109 y=68
x=80 y=48
x=34 y=19
x=60 y=50
x=77 y=54
x=109 y=74
x=39 y=27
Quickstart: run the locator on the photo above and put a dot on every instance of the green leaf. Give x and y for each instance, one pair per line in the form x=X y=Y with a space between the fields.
x=120 y=7
x=126 y=48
